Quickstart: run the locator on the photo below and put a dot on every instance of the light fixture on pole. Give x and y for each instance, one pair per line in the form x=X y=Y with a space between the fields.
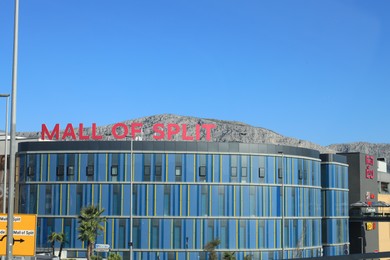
x=5 y=153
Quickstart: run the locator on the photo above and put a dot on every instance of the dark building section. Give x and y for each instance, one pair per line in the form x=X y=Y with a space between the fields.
x=363 y=183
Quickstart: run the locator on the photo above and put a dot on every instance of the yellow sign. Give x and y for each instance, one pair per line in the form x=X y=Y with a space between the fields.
x=24 y=234
x=370 y=226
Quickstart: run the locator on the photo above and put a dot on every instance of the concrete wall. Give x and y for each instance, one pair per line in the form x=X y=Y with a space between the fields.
x=384 y=227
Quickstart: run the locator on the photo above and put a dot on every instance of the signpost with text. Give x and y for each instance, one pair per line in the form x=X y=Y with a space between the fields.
x=24 y=234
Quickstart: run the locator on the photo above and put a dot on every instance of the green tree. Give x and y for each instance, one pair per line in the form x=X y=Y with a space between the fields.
x=229 y=256
x=248 y=257
x=114 y=257
x=210 y=248
x=61 y=238
x=90 y=220
x=57 y=237
x=52 y=239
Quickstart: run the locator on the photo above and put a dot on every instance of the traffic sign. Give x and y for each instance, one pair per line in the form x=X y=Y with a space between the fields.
x=24 y=234
x=102 y=247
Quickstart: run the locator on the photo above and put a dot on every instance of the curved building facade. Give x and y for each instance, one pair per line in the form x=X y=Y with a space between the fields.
x=257 y=199
x=334 y=179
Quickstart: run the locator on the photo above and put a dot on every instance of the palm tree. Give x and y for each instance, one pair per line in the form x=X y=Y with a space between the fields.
x=114 y=257
x=52 y=239
x=89 y=226
x=210 y=248
x=61 y=238
x=229 y=256
x=57 y=237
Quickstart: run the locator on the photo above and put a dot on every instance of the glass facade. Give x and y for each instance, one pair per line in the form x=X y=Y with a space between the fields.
x=335 y=207
x=264 y=204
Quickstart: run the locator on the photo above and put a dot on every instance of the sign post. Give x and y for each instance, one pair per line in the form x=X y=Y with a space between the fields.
x=24 y=234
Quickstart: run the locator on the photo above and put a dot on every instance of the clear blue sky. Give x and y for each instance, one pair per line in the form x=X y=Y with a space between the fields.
x=316 y=70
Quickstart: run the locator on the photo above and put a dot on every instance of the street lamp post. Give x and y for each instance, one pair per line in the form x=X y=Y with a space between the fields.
x=12 y=151
x=5 y=152
x=186 y=247
x=282 y=198
x=131 y=198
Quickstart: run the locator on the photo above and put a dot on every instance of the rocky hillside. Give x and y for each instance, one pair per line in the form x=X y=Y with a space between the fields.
x=226 y=131
x=377 y=150
x=230 y=131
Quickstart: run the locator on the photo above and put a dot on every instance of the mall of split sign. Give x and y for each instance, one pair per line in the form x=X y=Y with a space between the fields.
x=24 y=234
x=120 y=131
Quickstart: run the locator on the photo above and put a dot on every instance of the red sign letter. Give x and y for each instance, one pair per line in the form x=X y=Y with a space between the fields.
x=115 y=134
x=81 y=135
x=208 y=128
x=172 y=130
x=197 y=132
x=94 y=136
x=135 y=129
x=55 y=133
x=184 y=131
x=158 y=129
x=69 y=131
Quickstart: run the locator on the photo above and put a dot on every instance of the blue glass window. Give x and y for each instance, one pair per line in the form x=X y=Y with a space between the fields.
x=71 y=166
x=178 y=167
x=202 y=171
x=121 y=236
x=204 y=201
x=79 y=197
x=242 y=234
x=210 y=229
x=154 y=236
x=202 y=167
x=116 y=200
x=177 y=233
x=90 y=168
x=48 y=199
x=252 y=201
x=31 y=166
x=68 y=231
x=167 y=200
x=136 y=233
x=158 y=167
x=60 y=169
x=221 y=200
x=147 y=161
x=223 y=234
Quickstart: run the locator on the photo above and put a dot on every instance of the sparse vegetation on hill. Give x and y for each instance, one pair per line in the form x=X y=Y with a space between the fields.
x=232 y=131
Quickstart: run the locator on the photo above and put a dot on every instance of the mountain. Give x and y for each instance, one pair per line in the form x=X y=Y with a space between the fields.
x=225 y=131
x=377 y=150
x=231 y=131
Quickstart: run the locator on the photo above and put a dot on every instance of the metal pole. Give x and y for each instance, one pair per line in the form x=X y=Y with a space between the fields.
x=187 y=248
x=11 y=179
x=282 y=206
x=131 y=199
x=282 y=197
x=5 y=153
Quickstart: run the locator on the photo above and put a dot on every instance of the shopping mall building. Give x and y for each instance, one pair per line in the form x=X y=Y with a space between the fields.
x=169 y=198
